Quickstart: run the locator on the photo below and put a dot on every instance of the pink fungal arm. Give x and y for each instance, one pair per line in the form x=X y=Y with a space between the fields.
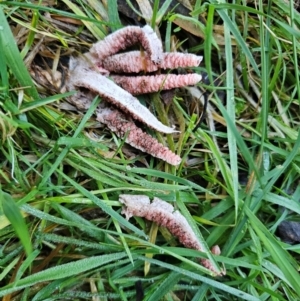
x=135 y=61
x=124 y=127
x=128 y=36
x=153 y=83
x=165 y=215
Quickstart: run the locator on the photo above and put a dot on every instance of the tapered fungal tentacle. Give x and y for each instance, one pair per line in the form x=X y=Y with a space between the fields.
x=136 y=61
x=126 y=37
x=134 y=136
x=107 y=89
x=165 y=215
x=152 y=83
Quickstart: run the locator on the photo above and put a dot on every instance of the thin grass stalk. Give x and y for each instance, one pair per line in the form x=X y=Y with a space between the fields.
x=231 y=114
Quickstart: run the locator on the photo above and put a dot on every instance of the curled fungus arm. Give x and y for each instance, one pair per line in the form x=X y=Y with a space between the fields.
x=126 y=37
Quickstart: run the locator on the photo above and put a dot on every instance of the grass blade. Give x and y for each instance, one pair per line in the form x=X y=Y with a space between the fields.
x=13 y=57
x=12 y=213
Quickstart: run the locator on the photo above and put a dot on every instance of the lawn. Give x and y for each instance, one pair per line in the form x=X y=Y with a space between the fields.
x=63 y=175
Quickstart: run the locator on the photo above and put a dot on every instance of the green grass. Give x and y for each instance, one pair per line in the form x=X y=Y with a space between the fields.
x=62 y=234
